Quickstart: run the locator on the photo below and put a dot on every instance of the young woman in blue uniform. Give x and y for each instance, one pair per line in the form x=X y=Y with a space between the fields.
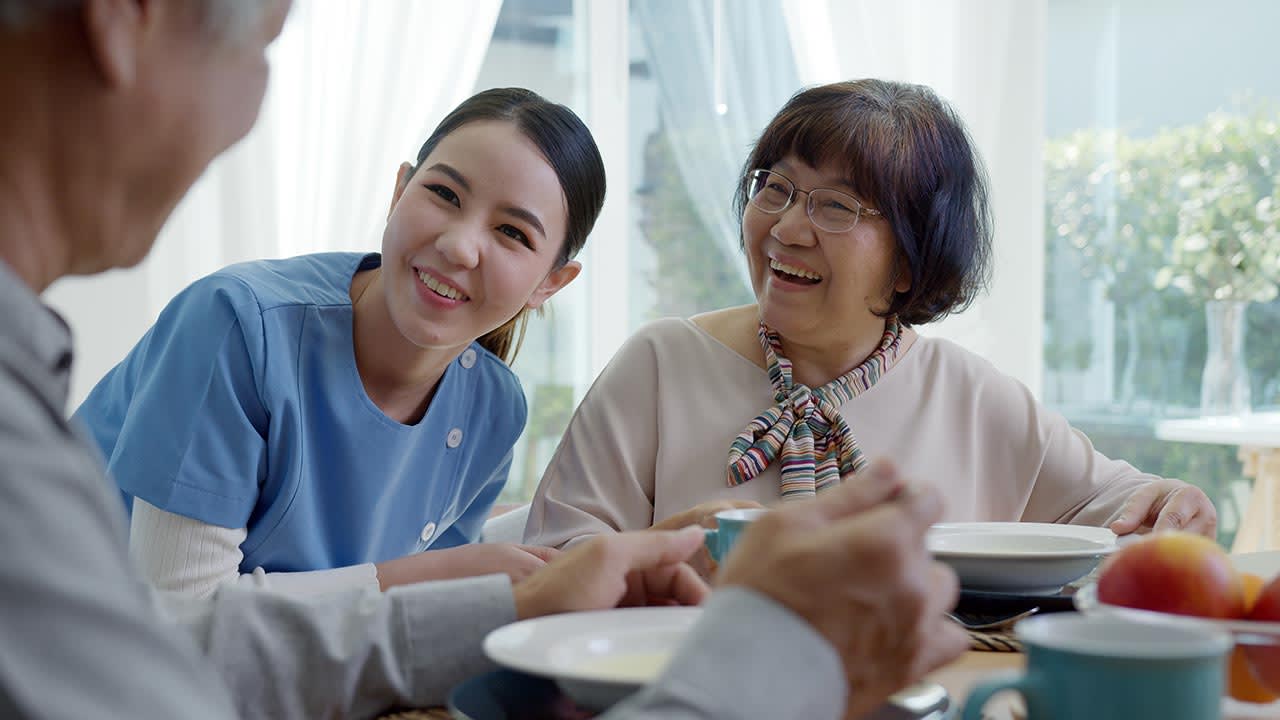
x=314 y=423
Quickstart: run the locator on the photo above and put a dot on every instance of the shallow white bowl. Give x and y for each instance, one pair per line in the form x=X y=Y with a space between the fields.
x=597 y=658
x=1029 y=558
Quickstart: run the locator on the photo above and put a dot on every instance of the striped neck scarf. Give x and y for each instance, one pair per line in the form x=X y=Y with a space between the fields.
x=817 y=447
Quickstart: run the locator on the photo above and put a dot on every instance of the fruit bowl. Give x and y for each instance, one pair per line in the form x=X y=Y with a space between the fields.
x=1244 y=632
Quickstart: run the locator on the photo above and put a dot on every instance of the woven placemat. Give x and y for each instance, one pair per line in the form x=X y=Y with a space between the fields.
x=424 y=714
x=994 y=641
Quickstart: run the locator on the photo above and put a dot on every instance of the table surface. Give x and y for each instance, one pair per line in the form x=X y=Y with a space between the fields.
x=958 y=678
x=1257 y=429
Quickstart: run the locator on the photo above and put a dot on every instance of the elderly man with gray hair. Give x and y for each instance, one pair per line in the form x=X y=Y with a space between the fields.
x=111 y=110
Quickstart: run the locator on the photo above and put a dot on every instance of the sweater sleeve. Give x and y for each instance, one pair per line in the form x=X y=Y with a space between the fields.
x=348 y=654
x=704 y=682
x=1071 y=481
x=178 y=554
x=601 y=478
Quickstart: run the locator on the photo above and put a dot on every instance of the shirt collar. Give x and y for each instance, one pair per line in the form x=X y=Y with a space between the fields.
x=29 y=325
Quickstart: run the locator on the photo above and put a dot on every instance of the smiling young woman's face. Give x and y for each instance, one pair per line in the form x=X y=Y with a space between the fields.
x=817 y=287
x=473 y=237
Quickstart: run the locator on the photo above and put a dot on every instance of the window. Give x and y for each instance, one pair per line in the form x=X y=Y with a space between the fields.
x=1162 y=172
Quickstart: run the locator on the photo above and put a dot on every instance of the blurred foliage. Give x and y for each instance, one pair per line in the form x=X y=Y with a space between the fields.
x=1228 y=241
x=692 y=274
x=1165 y=223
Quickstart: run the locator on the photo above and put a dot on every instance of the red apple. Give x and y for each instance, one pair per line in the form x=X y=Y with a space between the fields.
x=1173 y=572
x=1264 y=660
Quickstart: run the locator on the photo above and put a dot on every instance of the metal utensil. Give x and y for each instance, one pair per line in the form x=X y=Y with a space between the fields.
x=987 y=623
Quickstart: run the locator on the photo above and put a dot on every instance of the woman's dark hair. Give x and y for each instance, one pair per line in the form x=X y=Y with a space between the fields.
x=568 y=147
x=904 y=152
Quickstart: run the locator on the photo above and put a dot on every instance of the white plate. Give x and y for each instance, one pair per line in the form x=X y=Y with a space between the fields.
x=1019 y=557
x=1245 y=632
x=597 y=658
x=1265 y=565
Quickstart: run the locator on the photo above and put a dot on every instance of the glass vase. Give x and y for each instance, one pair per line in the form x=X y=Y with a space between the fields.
x=1224 y=386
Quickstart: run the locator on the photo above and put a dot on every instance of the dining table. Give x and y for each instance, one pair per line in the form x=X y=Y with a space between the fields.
x=958 y=677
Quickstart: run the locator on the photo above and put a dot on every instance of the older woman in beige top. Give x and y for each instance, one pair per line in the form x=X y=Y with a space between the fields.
x=864 y=214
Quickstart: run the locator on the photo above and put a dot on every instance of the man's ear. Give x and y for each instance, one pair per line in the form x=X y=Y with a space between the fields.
x=115 y=30
x=403 y=176
x=552 y=283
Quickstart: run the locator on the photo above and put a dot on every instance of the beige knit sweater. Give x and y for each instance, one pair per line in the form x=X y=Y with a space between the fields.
x=652 y=435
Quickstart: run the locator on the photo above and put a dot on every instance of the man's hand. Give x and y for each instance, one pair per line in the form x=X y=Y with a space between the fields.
x=853 y=564
x=627 y=569
x=517 y=561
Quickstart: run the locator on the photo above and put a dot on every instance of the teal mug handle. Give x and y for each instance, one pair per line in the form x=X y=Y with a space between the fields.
x=982 y=692
x=711 y=538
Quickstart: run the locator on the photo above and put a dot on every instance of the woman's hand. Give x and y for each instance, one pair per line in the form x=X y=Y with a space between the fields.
x=1168 y=505
x=517 y=561
x=702 y=514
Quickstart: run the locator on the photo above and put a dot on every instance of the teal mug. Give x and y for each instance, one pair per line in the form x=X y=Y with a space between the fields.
x=1101 y=668
x=729 y=525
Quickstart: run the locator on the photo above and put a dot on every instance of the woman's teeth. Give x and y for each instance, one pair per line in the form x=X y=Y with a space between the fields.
x=440 y=288
x=793 y=271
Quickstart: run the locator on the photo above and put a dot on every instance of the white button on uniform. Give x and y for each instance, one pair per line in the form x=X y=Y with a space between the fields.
x=454 y=438
x=428 y=531
x=468 y=358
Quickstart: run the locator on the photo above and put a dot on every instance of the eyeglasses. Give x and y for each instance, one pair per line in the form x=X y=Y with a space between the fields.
x=830 y=210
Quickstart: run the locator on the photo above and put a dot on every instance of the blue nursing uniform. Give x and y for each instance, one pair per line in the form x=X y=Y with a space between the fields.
x=242 y=407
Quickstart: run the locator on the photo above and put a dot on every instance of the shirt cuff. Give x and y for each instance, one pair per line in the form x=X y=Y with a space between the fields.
x=316 y=582
x=742 y=649
x=442 y=625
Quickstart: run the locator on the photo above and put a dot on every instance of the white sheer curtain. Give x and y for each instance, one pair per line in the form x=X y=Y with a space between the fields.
x=723 y=68
x=987 y=57
x=355 y=88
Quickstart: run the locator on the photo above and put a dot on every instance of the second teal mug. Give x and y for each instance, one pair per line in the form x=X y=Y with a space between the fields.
x=1101 y=668
x=729 y=525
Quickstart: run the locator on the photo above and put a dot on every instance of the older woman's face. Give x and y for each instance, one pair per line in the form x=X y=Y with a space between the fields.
x=816 y=287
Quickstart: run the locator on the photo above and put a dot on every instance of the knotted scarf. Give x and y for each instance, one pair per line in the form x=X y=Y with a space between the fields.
x=817 y=447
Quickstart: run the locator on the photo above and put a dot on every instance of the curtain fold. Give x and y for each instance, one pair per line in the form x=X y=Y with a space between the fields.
x=754 y=76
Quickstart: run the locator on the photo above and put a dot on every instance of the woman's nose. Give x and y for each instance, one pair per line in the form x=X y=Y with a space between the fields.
x=460 y=245
x=793 y=226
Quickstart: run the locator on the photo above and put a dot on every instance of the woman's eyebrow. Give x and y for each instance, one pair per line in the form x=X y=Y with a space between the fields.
x=452 y=173
x=512 y=210
x=527 y=216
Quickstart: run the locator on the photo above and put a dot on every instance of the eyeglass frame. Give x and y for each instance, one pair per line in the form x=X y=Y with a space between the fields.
x=858 y=212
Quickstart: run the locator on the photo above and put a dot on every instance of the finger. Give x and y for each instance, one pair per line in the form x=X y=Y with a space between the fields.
x=922 y=505
x=879 y=483
x=645 y=549
x=709 y=510
x=1136 y=509
x=1185 y=508
x=545 y=554
x=675 y=583
x=945 y=641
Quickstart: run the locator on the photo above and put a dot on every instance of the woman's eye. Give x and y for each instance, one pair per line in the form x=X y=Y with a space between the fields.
x=445 y=194
x=515 y=234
